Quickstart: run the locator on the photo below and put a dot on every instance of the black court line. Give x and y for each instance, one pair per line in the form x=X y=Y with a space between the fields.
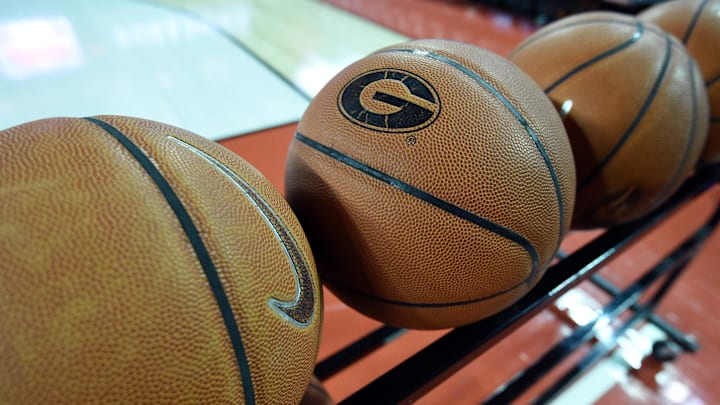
x=597 y=58
x=432 y=200
x=211 y=272
x=693 y=22
x=643 y=110
x=516 y=113
x=230 y=37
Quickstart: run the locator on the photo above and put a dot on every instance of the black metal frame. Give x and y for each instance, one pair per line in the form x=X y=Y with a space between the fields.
x=548 y=10
x=427 y=368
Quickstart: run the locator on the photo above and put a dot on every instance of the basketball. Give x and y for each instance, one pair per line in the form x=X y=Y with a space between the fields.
x=316 y=394
x=634 y=105
x=434 y=180
x=140 y=263
x=697 y=24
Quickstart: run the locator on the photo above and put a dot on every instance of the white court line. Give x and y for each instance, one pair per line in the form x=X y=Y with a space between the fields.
x=633 y=346
x=83 y=58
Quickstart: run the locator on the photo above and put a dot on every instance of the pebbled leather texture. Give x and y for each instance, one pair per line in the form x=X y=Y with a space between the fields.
x=394 y=204
x=104 y=296
x=696 y=23
x=637 y=110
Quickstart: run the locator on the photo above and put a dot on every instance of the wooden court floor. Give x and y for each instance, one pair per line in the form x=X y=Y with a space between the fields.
x=241 y=72
x=690 y=305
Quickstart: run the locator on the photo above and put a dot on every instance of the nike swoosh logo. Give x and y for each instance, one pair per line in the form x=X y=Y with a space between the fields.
x=301 y=310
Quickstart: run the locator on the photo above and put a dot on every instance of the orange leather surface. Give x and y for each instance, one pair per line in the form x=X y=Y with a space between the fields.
x=638 y=111
x=105 y=298
x=696 y=23
x=393 y=255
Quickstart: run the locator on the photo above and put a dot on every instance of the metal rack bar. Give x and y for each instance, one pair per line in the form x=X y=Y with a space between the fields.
x=686 y=342
x=423 y=371
x=356 y=350
x=674 y=263
x=604 y=347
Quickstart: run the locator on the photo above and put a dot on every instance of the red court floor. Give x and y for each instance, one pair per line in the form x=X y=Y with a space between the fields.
x=691 y=305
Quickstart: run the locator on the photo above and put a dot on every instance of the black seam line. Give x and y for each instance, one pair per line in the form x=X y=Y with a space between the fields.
x=693 y=22
x=634 y=38
x=712 y=81
x=514 y=111
x=341 y=285
x=714 y=120
x=661 y=33
x=198 y=245
x=291 y=311
x=551 y=30
x=691 y=137
x=643 y=110
x=230 y=37
x=424 y=196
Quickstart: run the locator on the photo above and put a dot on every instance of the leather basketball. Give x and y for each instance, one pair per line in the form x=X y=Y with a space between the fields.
x=434 y=180
x=141 y=263
x=634 y=105
x=696 y=23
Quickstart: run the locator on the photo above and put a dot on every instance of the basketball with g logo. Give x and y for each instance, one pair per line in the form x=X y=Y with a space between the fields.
x=434 y=180
x=141 y=263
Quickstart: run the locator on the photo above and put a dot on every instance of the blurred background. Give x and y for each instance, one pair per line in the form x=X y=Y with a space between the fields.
x=242 y=72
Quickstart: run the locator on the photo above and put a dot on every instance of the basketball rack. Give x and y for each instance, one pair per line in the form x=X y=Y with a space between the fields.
x=429 y=367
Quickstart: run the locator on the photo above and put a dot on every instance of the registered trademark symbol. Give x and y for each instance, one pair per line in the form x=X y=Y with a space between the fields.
x=411 y=140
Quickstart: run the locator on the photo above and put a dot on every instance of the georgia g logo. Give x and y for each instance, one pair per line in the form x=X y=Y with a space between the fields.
x=389 y=100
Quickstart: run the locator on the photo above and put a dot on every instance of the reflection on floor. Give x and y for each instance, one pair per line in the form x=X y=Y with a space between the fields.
x=690 y=379
x=217 y=68
x=222 y=68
